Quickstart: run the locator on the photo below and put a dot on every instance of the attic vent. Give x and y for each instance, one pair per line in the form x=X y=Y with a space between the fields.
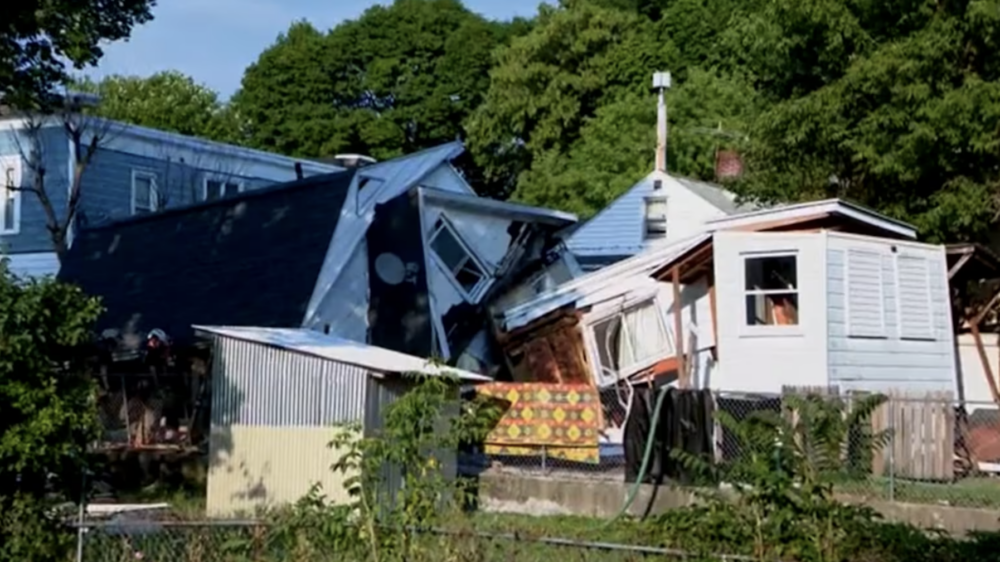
x=656 y=218
x=657 y=185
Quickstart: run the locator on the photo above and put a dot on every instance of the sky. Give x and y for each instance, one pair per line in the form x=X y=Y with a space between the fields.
x=215 y=40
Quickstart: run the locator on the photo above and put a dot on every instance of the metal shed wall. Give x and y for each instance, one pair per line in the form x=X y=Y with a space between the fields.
x=271 y=418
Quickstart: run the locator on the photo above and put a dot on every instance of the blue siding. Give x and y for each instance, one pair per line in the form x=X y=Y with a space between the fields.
x=618 y=227
x=106 y=193
x=33 y=235
x=107 y=183
x=868 y=354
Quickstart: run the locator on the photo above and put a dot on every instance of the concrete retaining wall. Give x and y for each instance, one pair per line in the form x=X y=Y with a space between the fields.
x=536 y=495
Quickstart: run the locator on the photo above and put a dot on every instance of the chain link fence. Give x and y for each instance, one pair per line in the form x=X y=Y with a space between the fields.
x=250 y=541
x=925 y=448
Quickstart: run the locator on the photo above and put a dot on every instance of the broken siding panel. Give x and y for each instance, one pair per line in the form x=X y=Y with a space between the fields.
x=299 y=390
x=446 y=178
x=344 y=307
x=864 y=359
x=486 y=236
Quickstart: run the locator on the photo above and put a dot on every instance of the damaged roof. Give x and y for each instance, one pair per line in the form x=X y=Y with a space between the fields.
x=250 y=259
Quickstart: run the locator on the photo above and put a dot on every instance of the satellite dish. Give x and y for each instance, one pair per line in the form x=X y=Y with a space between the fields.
x=390 y=268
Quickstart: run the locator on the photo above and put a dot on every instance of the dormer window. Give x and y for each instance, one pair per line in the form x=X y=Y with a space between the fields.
x=655 y=217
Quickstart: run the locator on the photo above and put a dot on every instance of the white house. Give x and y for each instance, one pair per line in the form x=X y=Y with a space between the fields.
x=817 y=294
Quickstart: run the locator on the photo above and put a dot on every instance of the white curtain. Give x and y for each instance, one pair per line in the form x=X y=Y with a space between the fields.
x=642 y=337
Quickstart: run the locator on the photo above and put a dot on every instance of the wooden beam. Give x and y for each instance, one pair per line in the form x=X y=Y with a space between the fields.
x=715 y=316
x=985 y=361
x=682 y=374
x=959 y=265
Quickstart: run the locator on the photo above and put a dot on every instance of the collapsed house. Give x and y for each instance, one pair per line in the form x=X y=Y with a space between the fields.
x=400 y=254
x=816 y=294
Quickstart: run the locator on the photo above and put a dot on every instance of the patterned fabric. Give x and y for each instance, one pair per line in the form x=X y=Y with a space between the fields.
x=563 y=419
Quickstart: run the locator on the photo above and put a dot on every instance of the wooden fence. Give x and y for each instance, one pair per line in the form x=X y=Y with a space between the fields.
x=921 y=445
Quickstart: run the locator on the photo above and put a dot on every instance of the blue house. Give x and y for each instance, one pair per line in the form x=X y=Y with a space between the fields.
x=134 y=171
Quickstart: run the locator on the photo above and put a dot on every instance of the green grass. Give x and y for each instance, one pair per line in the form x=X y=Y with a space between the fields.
x=969 y=492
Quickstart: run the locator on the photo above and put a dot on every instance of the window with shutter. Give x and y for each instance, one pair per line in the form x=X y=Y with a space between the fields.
x=865 y=294
x=912 y=278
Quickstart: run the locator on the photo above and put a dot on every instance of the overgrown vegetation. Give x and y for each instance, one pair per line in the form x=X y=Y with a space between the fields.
x=777 y=503
x=48 y=416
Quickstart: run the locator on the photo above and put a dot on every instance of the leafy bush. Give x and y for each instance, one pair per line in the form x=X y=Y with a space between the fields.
x=48 y=416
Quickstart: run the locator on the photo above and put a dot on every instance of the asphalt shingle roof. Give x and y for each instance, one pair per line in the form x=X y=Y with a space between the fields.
x=248 y=260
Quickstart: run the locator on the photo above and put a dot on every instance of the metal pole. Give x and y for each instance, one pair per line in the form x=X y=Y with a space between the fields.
x=80 y=516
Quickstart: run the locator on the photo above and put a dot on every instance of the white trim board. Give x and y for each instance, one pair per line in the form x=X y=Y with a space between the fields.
x=802 y=210
x=151 y=143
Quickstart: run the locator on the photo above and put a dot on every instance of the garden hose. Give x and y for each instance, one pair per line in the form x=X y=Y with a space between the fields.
x=647 y=454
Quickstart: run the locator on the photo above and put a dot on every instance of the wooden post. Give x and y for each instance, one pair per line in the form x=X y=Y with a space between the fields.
x=682 y=374
x=984 y=360
x=715 y=315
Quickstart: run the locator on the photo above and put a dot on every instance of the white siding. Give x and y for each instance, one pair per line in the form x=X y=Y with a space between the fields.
x=765 y=358
x=869 y=283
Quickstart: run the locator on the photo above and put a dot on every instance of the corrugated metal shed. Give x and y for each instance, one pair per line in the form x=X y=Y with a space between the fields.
x=311 y=342
x=276 y=393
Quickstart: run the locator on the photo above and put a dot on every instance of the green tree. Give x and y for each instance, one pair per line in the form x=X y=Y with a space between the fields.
x=48 y=416
x=615 y=148
x=547 y=84
x=895 y=107
x=398 y=79
x=39 y=39
x=168 y=101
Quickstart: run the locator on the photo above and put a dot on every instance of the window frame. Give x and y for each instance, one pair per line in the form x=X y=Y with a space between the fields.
x=484 y=281
x=15 y=164
x=154 y=190
x=601 y=316
x=770 y=329
x=651 y=198
x=222 y=180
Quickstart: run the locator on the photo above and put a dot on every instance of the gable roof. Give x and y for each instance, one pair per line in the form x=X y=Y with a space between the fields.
x=615 y=229
x=715 y=195
x=251 y=259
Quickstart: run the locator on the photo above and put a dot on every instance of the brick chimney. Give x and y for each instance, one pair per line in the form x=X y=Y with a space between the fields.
x=728 y=164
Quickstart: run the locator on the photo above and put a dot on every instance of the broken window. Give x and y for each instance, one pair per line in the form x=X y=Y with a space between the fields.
x=656 y=218
x=629 y=341
x=772 y=296
x=456 y=258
